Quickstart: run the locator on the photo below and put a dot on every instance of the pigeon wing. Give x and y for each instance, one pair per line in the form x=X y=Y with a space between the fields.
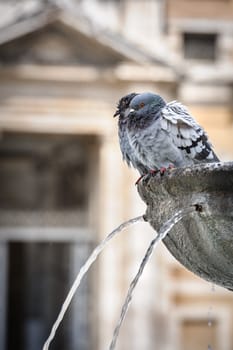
x=186 y=134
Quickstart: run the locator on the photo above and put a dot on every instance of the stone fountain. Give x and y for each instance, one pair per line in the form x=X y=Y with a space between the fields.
x=202 y=241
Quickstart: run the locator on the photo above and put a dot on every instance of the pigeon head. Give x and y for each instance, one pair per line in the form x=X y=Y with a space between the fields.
x=123 y=105
x=145 y=104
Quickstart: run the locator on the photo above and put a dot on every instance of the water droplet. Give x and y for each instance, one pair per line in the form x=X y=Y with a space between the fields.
x=213 y=288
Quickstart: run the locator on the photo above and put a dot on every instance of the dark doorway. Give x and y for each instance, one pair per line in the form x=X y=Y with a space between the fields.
x=38 y=281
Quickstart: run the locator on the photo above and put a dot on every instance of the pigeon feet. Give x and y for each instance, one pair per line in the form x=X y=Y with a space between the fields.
x=153 y=172
x=162 y=170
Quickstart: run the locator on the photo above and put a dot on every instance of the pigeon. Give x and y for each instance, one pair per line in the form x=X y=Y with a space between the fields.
x=126 y=149
x=155 y=135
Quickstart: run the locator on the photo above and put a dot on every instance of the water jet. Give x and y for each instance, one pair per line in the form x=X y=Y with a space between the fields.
x=203 y=241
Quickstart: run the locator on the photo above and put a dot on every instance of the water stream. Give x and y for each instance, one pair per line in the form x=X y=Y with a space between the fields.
x=159 y=236
x=84 y=269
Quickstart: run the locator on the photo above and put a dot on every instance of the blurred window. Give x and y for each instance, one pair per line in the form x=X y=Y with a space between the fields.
x=200 y=46
x=45 y=179
x=43 y=172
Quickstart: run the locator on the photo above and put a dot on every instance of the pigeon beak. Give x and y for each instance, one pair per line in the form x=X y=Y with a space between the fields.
x=129 y=111
x=116 y=113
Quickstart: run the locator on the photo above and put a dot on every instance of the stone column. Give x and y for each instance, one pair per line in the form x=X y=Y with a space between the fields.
x=110 y=216
x=143 y=21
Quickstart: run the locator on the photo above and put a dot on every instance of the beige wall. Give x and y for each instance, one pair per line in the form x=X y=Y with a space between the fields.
x=209 y=9
x=170 y=310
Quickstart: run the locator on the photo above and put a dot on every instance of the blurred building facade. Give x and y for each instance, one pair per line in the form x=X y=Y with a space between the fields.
x=63 y=186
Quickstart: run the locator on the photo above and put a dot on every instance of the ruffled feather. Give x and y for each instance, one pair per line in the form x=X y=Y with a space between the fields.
x=186 y=134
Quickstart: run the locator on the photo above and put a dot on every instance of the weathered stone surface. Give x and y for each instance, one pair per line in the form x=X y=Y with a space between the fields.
x=202 y=241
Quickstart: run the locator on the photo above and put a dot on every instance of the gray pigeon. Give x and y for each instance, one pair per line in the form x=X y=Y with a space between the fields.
x=155 y=135
x=126 y=149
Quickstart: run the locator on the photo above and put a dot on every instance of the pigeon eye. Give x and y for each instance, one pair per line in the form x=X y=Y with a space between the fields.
x=142 y=104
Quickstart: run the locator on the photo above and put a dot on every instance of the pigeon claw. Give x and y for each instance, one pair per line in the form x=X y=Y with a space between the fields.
x=150 y=173
x=139 y=179
x=153 y=172
x=162 y=170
